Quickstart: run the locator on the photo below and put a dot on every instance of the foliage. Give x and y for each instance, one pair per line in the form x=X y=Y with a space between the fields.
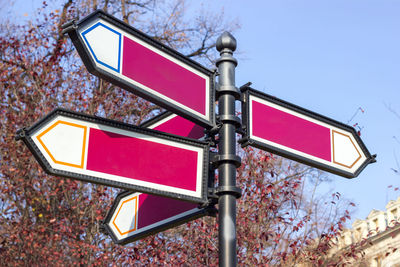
x=55 y=221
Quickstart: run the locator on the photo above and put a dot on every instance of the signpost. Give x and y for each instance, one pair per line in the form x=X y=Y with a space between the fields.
x=124 y=56
x=108 y=152
x=302 y=135
x=135 y=215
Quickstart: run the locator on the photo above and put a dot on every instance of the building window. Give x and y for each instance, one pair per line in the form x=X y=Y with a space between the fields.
x=393 y=212
x=376 y=262
x=358 y=231
x=375 y=225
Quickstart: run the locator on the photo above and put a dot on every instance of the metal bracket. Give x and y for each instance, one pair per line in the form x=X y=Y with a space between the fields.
x=214 y=130
x=245 y=141
x=245 y=86
x=216 y=73
x=69 y=26
x=210 y=134
x=212 y=194
x=211 y=141
x=210 y=206
x=20 y=134
x=242 y=130
x=102 y=228
x=212 y=198
x=212 y=212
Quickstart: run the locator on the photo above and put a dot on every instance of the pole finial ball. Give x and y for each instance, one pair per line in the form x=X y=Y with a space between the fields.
x=226 y=40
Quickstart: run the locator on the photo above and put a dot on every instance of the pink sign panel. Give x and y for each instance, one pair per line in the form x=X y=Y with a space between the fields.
x=132 y=60
x=173 y=124
x=307 y=137
x=155 y=209
x=291 y=131
x=163 y=75
x=141 y=159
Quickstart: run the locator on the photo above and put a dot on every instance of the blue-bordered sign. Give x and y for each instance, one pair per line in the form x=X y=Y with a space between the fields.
x=126 y=57
x=110 y=58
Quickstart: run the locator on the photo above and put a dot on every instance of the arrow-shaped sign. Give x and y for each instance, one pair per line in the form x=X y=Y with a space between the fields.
x=134 y=216
x=302 y=135
x=168 y=122
x=108 y=152
x=132 y=60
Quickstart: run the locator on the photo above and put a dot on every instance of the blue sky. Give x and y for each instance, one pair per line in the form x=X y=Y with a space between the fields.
x=331 y=57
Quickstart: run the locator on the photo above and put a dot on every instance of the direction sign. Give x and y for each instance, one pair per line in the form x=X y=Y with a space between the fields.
x=121 y=54
x=135 y=215
x=302 y=135
x=171 y=123
x=108 y=152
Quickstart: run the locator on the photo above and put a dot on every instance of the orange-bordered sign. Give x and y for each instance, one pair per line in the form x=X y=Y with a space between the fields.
x=102 y=151
x=134 y=216
x=302 y=135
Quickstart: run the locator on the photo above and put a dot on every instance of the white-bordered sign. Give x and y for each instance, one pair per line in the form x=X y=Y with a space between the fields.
x=299 y=134
x=128 y=58
x=102 y=151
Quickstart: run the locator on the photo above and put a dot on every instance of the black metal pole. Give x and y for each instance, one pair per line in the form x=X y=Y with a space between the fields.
x=227 y=159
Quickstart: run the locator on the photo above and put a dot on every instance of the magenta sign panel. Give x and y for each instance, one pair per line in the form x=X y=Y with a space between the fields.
x=164 y=76
x=141 y=159
x=137 y=215
x=108 y=152
x=128 y=58
x=291 y=131
x=299 y=134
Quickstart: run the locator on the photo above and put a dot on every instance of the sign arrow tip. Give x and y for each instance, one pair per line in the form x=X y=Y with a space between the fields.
x=64 y=142
x=345 y=152
x=105 y=45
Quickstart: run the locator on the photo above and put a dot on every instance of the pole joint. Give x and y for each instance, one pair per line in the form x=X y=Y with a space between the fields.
x=226 y=158
x=223 y=89
x=230 y=190
x=230 y=119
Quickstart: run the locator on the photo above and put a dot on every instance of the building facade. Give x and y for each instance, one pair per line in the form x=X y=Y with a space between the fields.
x=378 y=236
